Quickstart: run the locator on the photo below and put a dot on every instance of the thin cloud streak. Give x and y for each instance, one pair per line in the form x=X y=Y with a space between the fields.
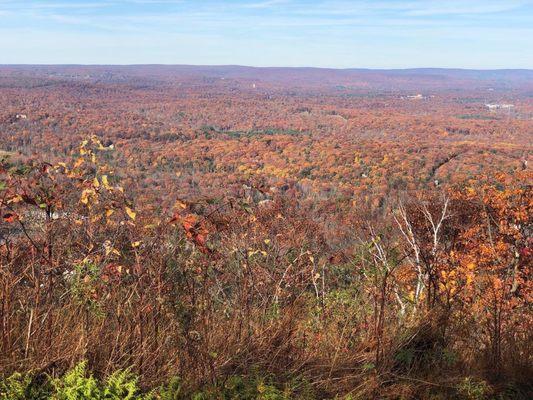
x=284 y=29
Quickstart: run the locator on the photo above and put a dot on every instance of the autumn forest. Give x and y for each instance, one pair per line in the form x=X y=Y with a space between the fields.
x=179 y=232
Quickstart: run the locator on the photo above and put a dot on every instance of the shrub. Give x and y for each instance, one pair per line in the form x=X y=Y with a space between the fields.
x=472 y=389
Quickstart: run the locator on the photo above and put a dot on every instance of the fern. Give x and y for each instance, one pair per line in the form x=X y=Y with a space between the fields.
x=23 y=387
x=121 y=385
x=75 y=385
x=14 y=387
x=172 y=391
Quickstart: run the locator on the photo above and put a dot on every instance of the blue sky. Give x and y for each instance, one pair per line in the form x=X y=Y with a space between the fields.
x=320 y=33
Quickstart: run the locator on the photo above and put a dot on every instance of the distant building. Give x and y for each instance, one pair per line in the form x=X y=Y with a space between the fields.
x=499 y=106
x=417 y=96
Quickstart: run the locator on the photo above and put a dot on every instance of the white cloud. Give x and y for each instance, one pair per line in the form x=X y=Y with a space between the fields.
x=462 y=7
x=265 y=4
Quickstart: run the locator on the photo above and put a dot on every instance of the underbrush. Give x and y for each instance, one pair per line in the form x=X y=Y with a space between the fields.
x=78 y=384
x=247 y=299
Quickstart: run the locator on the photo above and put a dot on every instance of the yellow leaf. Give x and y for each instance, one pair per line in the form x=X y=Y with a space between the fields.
x=109 y=213
x=132 y=214
x=85 y=195
x=180 y=204
x=136 y=244
x=96 y=184
x=78 y=162
x=16 y=199
x=252 y=252
x=105 y=182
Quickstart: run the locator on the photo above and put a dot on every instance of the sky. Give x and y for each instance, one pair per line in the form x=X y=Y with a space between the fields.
x=483 y=34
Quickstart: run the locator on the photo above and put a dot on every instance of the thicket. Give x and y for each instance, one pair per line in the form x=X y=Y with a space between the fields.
x=101 y=297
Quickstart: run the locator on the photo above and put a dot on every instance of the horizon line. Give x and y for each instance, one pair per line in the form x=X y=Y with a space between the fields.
x=260 y=66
